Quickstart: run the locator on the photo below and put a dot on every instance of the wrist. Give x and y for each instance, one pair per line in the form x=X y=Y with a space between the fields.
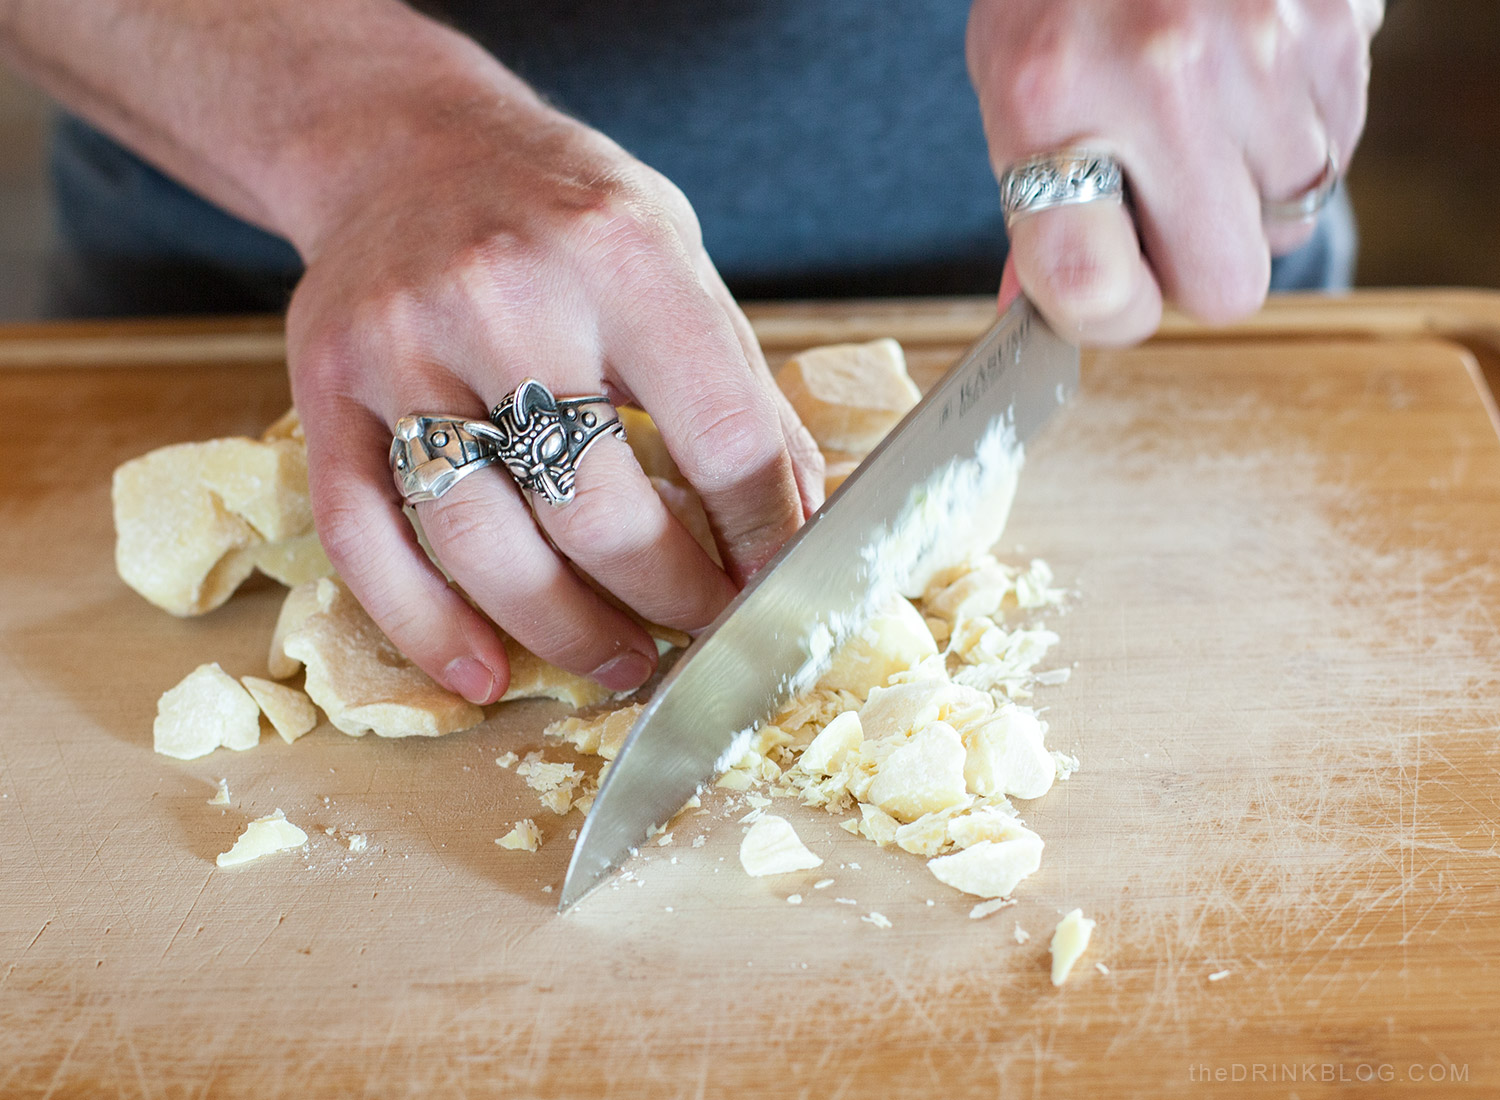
x=419 y=99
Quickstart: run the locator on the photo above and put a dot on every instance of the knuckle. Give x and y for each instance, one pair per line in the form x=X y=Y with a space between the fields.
x=1037 y=94
x=547 y=616
x=576 y=645
x=459 y=522
x=728 y=447
x=1238 y=291
x=596 y=525
x=340 y=524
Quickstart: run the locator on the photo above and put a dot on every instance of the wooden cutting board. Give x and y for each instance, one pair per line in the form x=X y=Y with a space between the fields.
x=1282 y=546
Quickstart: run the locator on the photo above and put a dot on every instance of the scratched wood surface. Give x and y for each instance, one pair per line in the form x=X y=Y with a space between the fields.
x=1285 y=652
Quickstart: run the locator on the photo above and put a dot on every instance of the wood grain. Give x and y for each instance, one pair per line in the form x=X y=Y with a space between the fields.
x=1285 y=658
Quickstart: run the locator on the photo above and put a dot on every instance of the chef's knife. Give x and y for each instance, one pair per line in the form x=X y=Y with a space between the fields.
x=902 y=502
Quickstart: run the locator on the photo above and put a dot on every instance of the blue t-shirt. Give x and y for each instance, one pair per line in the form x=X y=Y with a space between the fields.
x=827 y=147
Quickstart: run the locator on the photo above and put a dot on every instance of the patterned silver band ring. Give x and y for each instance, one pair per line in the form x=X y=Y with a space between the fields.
x=542 y=438
x=1305 y=206
x=1064 y=178
x=432 y=452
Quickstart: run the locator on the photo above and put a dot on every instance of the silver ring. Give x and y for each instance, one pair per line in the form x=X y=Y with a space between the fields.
x=1065 y=178
x=1304 y=206
x=541 y=438
x=432 y=452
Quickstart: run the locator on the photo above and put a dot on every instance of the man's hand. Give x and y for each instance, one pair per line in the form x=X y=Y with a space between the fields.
x=514 y=242
x=1210 y=106
x=460 y=236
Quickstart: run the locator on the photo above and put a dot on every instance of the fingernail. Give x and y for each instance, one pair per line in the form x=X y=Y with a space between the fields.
x=469 y=678
x=626 y=672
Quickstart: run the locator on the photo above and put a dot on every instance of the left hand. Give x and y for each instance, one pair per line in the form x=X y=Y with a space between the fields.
x=1210 y=106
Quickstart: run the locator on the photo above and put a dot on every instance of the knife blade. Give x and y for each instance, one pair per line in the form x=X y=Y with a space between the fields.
x=918 y=492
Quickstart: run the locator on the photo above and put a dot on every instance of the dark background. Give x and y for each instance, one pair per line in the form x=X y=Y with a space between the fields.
x=1425 y=183
x=1426 y=180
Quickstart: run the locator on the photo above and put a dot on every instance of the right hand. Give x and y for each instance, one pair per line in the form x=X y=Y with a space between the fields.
x=504 y=240
x=1210 y=107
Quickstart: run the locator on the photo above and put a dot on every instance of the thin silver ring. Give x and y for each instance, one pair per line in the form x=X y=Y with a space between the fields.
x=1065 y=178
x=432 y=452
x=1305 y=205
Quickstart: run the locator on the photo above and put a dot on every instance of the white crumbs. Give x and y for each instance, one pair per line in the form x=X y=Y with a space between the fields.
x=985 y=908
x=262 y=837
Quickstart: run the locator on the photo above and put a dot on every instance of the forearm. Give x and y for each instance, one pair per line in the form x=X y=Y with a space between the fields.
x=275 y=109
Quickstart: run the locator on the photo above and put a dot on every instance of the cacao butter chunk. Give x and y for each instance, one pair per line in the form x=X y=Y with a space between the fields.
x=290 y=712
x=826 y=753
x=1069 y=941
x=837 y=466
x=989 y=869
x=1006 y=755
x=533 y=678
x=191 y=518
x=293 y=561
x=687 y=506
x=891 y=641
x=989 y=823
x=908 y=705
x=772 y=847
x=357 y=676
x=877 y=825
x=265 y=484
x=599 y=735
x=923 y=776
x=645 y=441
x=286 y=426
x=175 y=542
x=849 y=395
x=263 y=837
x=208 y=709
x=524 y=836
x=300 y=603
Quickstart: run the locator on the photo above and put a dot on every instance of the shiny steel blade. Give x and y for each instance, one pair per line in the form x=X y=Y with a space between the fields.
x=739 y=670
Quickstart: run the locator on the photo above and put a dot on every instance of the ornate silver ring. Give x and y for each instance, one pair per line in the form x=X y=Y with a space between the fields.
x=541 y=438
x=431 y=453
x=1304 y=206
x=1064 y=178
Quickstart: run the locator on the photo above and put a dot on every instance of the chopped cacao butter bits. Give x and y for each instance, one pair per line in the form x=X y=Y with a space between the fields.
x=523 y=837
x=263 y=837
x=207 y=710
x=985 y=908
x=1069 y=941
x=772 y=847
